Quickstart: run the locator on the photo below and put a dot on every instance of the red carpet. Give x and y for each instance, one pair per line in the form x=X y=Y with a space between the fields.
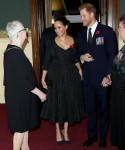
x=44 y=137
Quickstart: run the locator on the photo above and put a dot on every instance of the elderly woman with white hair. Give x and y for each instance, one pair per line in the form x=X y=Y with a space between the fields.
x=20 y=88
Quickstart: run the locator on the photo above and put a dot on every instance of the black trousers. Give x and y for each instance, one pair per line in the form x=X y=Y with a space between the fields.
x=96 y=96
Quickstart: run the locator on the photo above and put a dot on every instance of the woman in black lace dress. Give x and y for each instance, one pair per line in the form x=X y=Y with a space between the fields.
x=62 y=76
x=118 y=94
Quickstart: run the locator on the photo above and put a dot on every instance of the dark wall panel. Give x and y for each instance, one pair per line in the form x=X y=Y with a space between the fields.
x=14 y=10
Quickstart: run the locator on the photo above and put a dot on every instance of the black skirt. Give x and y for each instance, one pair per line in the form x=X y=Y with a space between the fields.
x=118 y=118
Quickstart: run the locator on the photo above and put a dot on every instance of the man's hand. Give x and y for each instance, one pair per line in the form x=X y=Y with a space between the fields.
x=106 y=82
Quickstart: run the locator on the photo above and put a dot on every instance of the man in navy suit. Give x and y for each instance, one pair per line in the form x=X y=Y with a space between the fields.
x=97 y=49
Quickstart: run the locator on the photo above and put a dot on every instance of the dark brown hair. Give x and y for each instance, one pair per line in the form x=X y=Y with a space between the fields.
x=122 y=19
x=63 y=20
x=89 y=8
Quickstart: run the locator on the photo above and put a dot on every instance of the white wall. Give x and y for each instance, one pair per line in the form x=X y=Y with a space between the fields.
x=3 y=43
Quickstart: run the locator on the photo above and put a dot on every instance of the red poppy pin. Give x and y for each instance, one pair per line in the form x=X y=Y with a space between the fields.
x=97 y=32
x=72 y=46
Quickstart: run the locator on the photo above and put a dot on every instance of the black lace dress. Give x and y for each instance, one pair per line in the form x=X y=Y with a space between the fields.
x=65 y=97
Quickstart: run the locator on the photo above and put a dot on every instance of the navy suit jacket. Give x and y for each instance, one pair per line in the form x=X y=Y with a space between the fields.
x=103 y=50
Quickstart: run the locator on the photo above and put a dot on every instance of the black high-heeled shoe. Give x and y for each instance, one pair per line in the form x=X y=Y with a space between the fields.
x=59 y=142
x=68 y=141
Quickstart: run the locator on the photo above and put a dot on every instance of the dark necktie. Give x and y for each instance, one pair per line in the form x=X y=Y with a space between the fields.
x=89 y=37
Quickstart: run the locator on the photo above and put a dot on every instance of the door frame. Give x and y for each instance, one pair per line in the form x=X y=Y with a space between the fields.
x=113 y=14
x=35 y=39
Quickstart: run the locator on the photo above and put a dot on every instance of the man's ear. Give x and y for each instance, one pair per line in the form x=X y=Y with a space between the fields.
x=92 y=14
x=66 y=26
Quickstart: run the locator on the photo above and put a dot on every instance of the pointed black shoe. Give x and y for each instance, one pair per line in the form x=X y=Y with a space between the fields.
x=68 y=141
x=102 y=143
x=59 y=142
x=90 y=141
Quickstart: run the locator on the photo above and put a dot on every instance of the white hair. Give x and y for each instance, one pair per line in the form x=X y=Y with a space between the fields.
x=13 y=28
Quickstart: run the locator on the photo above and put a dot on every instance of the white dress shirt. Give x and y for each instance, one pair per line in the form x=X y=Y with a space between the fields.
x=93 y=28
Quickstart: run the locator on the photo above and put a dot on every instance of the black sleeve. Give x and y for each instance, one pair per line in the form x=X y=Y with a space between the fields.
x=23 y=71
x=76 y=58
x=48 y=55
